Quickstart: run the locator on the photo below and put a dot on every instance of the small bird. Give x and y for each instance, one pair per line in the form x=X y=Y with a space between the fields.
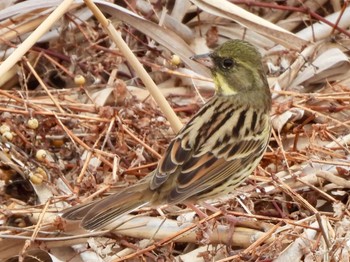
x=213 y=153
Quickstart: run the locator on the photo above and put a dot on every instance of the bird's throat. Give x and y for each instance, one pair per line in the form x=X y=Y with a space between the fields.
x=223 y=87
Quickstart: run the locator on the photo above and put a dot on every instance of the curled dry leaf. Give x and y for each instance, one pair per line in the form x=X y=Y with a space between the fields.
x=293 y=114
x=253 y=22
x=329 y=65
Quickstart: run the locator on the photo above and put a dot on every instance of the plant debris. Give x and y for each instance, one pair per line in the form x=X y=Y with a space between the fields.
x=78 y=123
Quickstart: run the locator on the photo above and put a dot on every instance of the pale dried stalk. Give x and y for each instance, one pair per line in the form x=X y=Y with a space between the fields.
x=254 y=245
x=144 y=227
x=34 y=37
x=44 y=86
x=136 y=65
x=23 y=28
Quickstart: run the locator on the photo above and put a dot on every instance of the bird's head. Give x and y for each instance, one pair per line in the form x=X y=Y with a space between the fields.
x=236 y=67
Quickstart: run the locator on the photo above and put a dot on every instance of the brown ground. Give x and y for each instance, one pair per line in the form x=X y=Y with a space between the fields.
x=106 y=132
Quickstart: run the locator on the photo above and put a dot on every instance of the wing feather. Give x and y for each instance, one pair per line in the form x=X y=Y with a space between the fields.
x=193 y=166
x=214 y=171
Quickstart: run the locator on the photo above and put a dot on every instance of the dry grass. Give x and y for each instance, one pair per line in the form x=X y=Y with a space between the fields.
x=106 y=133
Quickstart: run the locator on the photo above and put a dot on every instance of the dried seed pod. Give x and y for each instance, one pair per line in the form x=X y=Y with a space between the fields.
x=175 y=60
x=41 y=154
x=4 y=128
x=33 y=123
x=8 y=136
x=79 y=80
x=38 y=176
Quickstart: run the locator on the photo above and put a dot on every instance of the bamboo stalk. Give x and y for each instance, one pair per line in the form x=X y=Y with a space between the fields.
x=34 y=37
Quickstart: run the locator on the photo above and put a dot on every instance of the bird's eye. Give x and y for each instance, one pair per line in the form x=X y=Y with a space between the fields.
x=227 y=63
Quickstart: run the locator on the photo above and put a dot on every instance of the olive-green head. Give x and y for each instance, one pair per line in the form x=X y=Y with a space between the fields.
x=237 y=68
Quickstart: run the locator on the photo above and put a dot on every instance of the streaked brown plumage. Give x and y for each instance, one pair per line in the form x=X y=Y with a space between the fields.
x=216 y=150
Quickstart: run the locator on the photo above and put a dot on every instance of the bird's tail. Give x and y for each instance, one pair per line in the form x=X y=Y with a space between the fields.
x=98 y=214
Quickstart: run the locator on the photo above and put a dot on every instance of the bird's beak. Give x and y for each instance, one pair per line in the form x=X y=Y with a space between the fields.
x=204 y=59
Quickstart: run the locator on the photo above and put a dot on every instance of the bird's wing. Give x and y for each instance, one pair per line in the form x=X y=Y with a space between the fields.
x=192 y=170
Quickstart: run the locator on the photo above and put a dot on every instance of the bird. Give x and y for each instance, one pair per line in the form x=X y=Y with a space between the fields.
x=213 y=153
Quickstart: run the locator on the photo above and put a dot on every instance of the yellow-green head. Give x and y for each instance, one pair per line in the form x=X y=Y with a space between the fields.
x=237 y=68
